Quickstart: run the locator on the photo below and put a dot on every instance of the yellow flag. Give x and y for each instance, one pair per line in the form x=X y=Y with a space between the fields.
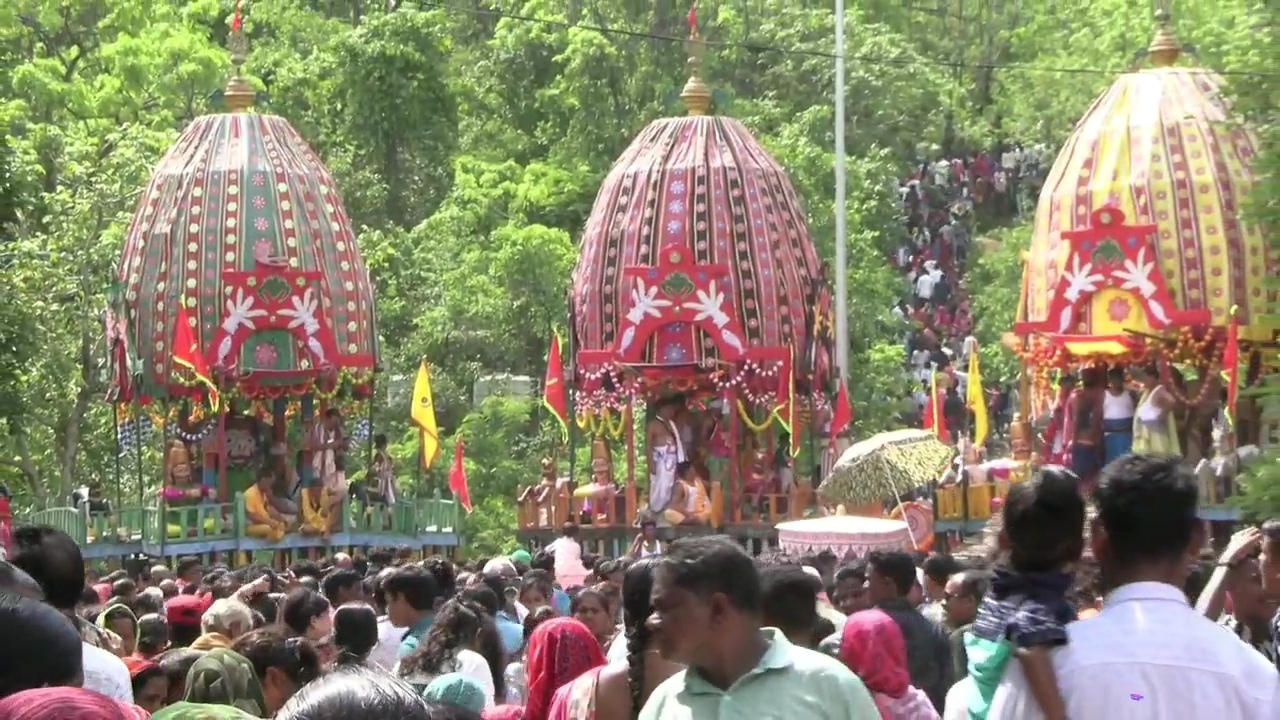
x=977 y=400
x=423 y=414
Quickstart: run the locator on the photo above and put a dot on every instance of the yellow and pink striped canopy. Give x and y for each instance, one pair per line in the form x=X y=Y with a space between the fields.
x=1162 y=146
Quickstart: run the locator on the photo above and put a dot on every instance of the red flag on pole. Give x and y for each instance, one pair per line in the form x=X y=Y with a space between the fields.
x=187 y=353
x=1231 y=364
x=554 y=394
x=693 y=19
x=841 y=413
x=458 y=479
x=237 y=20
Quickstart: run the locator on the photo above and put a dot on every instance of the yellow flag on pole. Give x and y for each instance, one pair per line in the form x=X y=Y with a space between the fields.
x=423 y=414
x=976 y=399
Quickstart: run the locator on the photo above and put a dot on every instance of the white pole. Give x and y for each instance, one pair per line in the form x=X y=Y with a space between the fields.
x=842 y=250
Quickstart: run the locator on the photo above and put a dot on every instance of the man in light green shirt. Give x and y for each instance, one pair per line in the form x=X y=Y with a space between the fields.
x=706 y=613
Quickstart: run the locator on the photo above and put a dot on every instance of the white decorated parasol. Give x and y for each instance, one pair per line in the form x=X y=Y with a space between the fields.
x=845 y=535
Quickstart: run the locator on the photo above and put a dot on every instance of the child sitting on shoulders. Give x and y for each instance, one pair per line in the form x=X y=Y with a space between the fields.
x=1025 y=613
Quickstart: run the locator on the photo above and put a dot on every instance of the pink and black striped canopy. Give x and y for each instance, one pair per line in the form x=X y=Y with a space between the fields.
x=695 y=210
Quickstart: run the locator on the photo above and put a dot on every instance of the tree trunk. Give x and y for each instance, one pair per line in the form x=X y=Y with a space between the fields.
x=74 y=418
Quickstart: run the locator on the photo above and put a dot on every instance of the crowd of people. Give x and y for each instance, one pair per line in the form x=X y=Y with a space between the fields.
x=1119 y=621
x=939 y=203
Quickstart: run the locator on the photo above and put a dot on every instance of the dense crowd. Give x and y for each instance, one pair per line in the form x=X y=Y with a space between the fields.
x=1121 y=621
x=939 y=202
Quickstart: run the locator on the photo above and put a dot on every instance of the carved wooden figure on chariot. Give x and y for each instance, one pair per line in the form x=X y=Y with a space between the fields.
x=599 y=494
x=541 y=496
x=760 y=481
x=178 y=473
x=1020 y=438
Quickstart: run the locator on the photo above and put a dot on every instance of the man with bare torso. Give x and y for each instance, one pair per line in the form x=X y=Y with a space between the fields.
x=666 y=450
x=1085 y=408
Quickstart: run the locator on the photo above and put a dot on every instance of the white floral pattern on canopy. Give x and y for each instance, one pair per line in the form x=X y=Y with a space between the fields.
x=848 y=536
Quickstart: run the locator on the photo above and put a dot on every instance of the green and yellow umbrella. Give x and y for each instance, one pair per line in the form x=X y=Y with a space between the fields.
x=885 y=465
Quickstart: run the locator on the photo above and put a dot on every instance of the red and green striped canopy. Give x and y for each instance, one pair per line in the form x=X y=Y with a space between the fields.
x=243 y=225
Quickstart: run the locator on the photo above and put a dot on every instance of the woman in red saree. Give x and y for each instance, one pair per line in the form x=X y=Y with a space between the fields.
x=619 y=690
x=873 y=648
x=559 y=651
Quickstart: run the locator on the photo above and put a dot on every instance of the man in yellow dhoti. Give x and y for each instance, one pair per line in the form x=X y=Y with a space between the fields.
x=262 y=519
x=320 y=510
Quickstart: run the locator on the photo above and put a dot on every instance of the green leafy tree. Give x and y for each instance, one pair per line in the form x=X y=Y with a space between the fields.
x=469 y=145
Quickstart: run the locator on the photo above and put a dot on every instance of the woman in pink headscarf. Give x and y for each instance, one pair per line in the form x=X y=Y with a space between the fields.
x=559 y=651
x=67 y=703
x=873 y=648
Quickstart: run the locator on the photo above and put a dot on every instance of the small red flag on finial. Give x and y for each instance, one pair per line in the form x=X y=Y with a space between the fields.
x=693 y=19
x=237 y=20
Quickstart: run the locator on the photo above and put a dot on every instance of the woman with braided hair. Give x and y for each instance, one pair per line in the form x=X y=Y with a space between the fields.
x=619 y=689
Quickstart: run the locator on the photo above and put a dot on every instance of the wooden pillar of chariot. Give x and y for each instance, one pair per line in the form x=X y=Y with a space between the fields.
x=698 y=303
x=241 y=237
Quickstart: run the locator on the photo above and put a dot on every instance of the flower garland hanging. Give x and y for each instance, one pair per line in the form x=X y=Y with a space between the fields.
x=601 y=424
x=751 y=423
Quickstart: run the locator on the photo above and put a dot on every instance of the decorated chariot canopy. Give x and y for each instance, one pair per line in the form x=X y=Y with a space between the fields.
x=241 y=236
x=1139 y=241
x=696 y=267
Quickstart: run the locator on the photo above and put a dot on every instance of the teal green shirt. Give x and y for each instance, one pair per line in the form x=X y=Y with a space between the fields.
x=789 y=682
x=415 y=635
x=987 y=662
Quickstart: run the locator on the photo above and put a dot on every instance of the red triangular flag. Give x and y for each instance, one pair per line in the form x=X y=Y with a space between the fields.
x=553 y=388
x=458 y=479
x=237 y=20
x=1231 y=363
x=841 y=413
x=693 y=19
x=187 y=353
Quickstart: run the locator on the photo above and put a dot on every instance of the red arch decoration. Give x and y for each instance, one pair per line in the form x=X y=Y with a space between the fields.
x=1111 y=254
x=272 y=293
x=677 y=290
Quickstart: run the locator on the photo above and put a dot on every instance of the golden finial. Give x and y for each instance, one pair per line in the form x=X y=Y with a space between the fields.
x=1164 y=48
x=696 y=95
x=238 y=93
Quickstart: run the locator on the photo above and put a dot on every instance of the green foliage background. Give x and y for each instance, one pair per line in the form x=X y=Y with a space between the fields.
x=469 y=138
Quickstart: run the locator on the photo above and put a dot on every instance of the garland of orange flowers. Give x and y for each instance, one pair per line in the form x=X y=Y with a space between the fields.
x=1201 y=349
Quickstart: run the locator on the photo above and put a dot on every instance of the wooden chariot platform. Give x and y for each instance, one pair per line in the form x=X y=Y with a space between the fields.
x=216 y=531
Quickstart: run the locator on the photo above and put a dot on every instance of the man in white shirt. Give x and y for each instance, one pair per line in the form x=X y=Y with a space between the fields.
x=924 y=286
x=389 y=635
x=106 y=673
x=1148 y=654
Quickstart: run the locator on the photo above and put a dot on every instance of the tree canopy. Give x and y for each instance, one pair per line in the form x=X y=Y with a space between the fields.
x=469 y=138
